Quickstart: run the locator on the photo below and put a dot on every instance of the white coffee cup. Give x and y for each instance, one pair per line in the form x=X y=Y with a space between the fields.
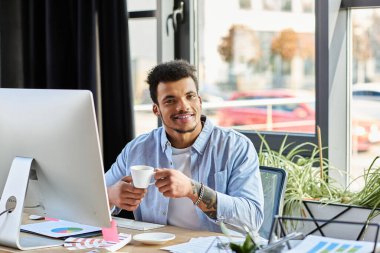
x=142 y=176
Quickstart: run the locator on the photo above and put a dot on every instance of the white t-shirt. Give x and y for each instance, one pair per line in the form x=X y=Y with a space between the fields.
x=181 y=211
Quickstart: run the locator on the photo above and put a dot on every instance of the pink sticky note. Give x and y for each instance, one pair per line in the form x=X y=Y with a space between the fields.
x=51 y=219
x=111 y=234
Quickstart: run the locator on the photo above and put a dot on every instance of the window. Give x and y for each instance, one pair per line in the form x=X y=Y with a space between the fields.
x=239 y=51
x=365 y=105
x=242 y=52
x=143 y=48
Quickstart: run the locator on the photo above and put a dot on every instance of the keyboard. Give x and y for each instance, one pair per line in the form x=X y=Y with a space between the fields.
x=137 y=225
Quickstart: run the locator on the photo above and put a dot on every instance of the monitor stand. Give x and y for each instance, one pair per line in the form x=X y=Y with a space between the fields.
x=13 y=200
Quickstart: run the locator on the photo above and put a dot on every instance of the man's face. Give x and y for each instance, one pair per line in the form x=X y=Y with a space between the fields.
x=179 y=107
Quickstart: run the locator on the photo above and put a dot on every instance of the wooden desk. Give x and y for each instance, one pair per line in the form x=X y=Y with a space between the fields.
x=182 y=235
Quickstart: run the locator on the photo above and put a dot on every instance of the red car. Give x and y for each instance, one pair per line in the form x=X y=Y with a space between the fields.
x=285 y=117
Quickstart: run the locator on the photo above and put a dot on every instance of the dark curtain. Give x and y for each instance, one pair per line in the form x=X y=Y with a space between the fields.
x=10 y=44
x=60 y=51
x=116 y=83
x=60 y=44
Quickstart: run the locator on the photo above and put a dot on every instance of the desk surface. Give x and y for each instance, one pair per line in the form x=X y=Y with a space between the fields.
x=182 y=235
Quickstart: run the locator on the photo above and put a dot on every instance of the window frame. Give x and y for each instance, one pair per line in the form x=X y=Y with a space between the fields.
x=339 y=159
x=347 y=4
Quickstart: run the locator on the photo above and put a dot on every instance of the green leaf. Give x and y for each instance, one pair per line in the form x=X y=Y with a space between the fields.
x=224 y=229
x=248 y=244
x=236 y=248
x=247 y=247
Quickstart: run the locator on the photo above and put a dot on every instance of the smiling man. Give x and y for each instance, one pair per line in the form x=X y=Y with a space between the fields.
x=204 y=174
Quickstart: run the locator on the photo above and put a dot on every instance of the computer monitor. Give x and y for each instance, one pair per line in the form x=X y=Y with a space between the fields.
x=53 y=133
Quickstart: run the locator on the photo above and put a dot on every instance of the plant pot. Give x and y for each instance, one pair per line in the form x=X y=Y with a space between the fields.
x=338 y=212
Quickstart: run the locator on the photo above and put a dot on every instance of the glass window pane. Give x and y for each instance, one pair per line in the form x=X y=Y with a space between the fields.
x=143 y=47
x=258 y=57
x=365 y=106
x=141 y=5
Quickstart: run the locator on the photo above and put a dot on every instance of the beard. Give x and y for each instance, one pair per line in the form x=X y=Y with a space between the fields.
x=180 y=131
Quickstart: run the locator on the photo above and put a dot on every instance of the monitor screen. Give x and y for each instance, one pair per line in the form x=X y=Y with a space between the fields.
x=58 y=129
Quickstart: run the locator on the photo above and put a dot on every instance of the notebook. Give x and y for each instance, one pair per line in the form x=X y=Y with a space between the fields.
x=137 y=225
x=60 y=229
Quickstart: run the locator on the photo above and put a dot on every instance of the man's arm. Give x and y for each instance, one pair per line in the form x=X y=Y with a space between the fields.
x=242 y=203
x=207 y=202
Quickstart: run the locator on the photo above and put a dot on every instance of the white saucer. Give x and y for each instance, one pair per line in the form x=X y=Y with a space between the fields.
x=153 y=238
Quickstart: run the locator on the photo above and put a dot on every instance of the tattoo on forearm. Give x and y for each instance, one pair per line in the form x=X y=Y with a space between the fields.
x=209 y=206
x=196 y=187
x=211 y=214
x=208 y=202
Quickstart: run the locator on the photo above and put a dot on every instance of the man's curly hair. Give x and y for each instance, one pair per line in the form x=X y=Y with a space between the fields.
x=169 y=72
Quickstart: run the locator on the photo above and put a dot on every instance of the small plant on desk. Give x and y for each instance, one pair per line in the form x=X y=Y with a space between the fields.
x=247 y=247
x=250 y=244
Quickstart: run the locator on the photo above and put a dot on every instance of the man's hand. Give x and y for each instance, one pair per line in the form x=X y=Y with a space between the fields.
x=173 y=183
x=124 y=195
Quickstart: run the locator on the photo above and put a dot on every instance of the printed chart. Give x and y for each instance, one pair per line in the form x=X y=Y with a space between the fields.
x=326 y=247
x=320 y=244
x=66 y=230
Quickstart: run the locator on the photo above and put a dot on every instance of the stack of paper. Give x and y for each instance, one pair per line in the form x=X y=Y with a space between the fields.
x=210 y=244
x=75 y=243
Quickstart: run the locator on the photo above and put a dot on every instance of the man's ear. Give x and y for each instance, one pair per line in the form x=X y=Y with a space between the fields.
x=200 y=99
x=155 y=110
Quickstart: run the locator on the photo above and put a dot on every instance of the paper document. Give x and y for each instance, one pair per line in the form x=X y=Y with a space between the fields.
x=133 y=224
x=74 y=243
x=59 y=229
x=320 y=244
x=210 y=244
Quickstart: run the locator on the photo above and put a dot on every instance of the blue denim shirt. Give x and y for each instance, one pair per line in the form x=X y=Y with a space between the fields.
x=222 y=159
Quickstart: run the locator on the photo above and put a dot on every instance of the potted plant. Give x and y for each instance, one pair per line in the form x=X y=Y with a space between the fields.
x=311 y=184
x=362 y=206
x=305 y=180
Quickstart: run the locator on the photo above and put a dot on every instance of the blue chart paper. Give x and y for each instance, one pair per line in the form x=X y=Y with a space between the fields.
x=59 y=229
x=319 y=244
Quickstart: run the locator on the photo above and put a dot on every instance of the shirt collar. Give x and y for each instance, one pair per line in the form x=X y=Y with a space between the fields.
x=201 y=141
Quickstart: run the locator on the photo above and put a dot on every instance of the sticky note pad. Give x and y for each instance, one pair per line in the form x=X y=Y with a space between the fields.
x=110 y=234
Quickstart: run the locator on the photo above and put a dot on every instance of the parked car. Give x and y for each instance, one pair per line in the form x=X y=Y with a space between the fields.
x=366 y=91
x=365 y=132
x=365 y=115
x=285 y=117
